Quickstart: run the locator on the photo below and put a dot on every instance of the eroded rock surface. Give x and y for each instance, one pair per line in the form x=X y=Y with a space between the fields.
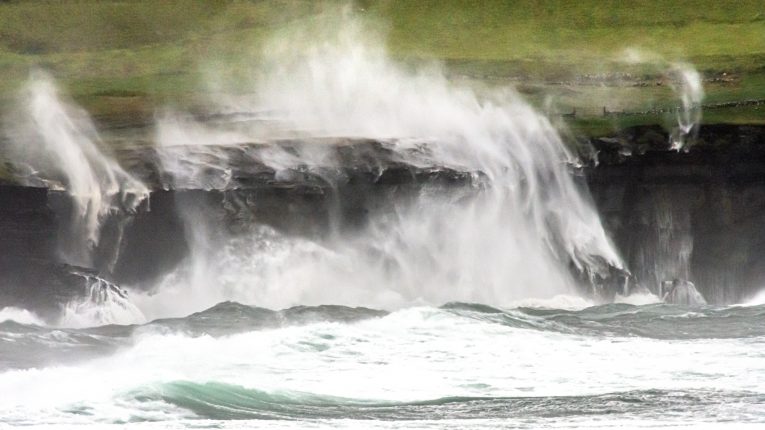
x=695 y=215
x=296 y=186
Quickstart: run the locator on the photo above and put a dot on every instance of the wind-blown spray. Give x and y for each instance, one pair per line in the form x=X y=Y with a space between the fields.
x=512 y=240
x=687 y=84
x=59 y=142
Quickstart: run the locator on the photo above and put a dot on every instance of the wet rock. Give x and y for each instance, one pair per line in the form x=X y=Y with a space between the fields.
x=45 y=287
x=306 y=187
x=681 y=292
x=697 y=215
x=302 y=187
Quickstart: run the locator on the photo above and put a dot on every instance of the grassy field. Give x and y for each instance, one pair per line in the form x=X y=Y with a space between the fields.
x=123 y=59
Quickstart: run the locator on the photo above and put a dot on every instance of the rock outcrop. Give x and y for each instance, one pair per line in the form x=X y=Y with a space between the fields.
x=695 y=215
x=296 y=186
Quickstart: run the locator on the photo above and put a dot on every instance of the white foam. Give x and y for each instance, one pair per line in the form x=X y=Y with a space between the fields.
x=21 y=316
x=104 y=304
x=561 y=301
x=410 y=355
x=757 y=299
x=638 y=299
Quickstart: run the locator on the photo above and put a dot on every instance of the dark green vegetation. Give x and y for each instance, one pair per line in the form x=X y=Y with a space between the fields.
x=122 y=59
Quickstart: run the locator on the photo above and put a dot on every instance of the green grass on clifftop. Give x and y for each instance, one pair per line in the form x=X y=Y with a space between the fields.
x=123 y=59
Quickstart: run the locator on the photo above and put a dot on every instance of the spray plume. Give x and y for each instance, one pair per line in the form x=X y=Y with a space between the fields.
x=59 y=143
x=686 y=83
x=510 y=240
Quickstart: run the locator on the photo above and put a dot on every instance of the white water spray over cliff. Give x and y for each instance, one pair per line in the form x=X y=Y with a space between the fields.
x=513 y=239
x=687 y=84
x=58 y=146
x=59 y=143
x=104 y=303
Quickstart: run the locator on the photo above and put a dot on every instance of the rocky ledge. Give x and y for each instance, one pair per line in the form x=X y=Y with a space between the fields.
x=695 y=215
x=231 y=186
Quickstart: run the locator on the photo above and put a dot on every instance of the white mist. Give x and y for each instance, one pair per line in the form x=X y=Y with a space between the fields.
x=59 y=142
x=511 y=241
x=688 y=86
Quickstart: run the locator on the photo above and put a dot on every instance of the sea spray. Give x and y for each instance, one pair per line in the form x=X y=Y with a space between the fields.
x=513 y=238
x=59 y=142
x=103 y=303
x=460 y=362
x=686 y=84
x=21 y=316
x=346 y=84
x=58 y=145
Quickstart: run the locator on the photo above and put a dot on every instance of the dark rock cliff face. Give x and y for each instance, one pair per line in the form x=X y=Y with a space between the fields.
x=237 y=186
x=32 y=274
x=696 y=215
x=230 y=187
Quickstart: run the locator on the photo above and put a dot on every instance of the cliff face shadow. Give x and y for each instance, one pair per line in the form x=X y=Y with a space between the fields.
x=696 y=215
